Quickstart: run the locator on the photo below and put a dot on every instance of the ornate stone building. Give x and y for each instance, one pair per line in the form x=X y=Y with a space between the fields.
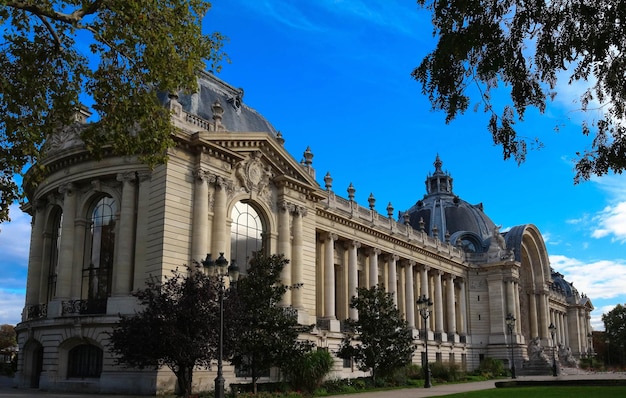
x=100 y=228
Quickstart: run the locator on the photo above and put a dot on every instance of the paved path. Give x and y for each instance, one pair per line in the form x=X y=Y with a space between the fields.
x=7 y=390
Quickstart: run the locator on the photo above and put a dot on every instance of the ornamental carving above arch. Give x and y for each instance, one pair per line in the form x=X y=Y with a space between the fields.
x=253 y=175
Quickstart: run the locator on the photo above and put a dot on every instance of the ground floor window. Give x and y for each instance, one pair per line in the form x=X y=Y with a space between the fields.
x=85 y=361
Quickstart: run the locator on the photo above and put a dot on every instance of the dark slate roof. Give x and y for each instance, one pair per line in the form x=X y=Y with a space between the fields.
x=237 y=117
x=442 y=209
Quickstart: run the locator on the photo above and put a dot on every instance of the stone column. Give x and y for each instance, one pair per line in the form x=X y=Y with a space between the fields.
x=142 y=229
x=438 y=301
x=329 y=276
x=200 y=222
x=47 y=251
x=35 y=256
x=566 y=326
x=393 y=277
x=284 y=247
x=123 y=267
x=296 y=256
x=518 y=313
x=353 y=276
x=219 y=233
x=373 y=270
x=450 y=304
x=510 y=300
x=424 y=290
x=409 y=297
x=463 y=308
x=533 y=314
x=66 y=250
x=543 y=316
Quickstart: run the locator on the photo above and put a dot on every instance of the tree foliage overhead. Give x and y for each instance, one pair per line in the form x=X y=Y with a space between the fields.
x=117 y=53
x=527 y=46
x=262 y=333
x=177 y=326
x=380 y=340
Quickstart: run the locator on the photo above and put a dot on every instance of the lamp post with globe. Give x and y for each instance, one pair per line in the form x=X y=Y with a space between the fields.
x=510 y=324
x=424 y=304
x=220 y=269
x=552 y=329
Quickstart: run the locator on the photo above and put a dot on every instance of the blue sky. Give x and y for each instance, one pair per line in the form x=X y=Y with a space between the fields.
x=334 y=76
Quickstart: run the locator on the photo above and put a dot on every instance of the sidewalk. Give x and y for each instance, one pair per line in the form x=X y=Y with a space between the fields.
x=7 y=390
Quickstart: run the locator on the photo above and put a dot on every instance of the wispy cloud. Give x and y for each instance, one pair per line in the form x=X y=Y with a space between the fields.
x=11 y=305
x=603 y=281
x=611 y=221
x=391 y=15
x=284 y=13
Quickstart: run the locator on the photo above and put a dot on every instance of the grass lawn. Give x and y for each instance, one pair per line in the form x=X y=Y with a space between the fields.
x=547 y=392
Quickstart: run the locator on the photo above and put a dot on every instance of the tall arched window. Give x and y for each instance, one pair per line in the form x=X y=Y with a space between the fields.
x=246 y=234
x=101 y=249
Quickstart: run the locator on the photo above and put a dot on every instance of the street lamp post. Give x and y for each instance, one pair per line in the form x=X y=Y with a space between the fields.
x=510 y=324
x=218 y=268
x=424 y=305
x=552 y=332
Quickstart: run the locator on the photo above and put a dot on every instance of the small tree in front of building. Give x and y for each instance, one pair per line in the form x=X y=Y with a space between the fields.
x=176 y=327
x=262 y=333
x=380 y=341
x=615 y=333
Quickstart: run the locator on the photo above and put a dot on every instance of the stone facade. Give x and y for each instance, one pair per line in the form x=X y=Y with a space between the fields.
x=100 y=228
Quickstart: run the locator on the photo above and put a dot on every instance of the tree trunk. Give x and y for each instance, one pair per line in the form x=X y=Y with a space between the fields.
x=183 y=378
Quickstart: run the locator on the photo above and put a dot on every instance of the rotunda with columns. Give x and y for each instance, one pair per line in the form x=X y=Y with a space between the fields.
x=101 y=228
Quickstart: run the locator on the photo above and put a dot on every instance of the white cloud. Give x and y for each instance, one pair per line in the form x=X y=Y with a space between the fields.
x=603 y=279
x=611 y=222
x=15 y=238
x=11 y=305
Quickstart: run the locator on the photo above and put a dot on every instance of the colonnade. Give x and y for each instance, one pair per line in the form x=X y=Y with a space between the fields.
x=559 y=320
x=404 y=278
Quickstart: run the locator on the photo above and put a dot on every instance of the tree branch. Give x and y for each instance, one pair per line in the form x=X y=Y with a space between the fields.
x=72 y=18
x=54 y=34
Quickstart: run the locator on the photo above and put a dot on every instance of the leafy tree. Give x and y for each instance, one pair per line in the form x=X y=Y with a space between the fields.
x=118 y=53
x=7 y=336
x=529 y=46
x=261 y=332
x=380 y=340
x=176 y=327
x=615 y=330
x=306 y=372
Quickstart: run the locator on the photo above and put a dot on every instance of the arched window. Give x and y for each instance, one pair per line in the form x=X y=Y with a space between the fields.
x=246 y=234
x=100 y=250
x=84 y=361
x=53 y=259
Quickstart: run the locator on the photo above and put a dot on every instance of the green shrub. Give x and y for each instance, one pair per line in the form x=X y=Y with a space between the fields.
x=446 y=371
x=491 y=367
x=414 y=372
x=307 y=372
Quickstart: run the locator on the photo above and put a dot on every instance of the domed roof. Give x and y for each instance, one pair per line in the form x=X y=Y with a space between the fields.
x=444 y=214
x=237 y=116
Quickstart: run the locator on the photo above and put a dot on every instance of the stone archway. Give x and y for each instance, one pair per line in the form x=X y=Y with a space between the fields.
x=33 y=363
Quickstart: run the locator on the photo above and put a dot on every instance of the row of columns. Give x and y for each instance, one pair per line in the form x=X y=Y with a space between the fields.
x=431 y=282
x=559 y=320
